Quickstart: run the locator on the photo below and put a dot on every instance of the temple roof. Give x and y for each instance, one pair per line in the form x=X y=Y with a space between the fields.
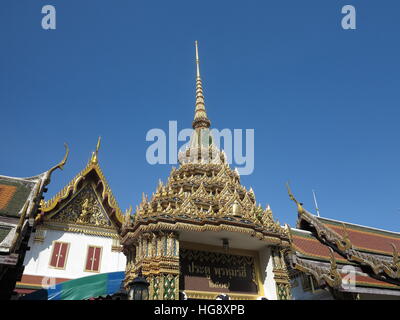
x=91 y=172
x=204 y=192
x=14 y=192
x=364 y=238
x=309 y=247
x=19 y=200
x=366 y=249
x=312 y=256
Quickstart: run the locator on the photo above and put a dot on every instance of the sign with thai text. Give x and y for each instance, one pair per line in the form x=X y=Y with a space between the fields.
x=217 y=272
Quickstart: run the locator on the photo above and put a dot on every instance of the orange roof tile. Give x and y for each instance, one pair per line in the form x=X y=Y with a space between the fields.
x=367 y=239
x=6 y=194
x=309 y=246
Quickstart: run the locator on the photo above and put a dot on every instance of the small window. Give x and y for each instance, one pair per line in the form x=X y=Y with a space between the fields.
x=309 y=283
x=93 y=259
x=59 y=255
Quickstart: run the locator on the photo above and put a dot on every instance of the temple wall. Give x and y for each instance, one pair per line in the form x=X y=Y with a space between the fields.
x=266 y=266
x=37 y=259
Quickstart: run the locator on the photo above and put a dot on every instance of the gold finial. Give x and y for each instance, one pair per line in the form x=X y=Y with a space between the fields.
x=289 y=232
x=63 y=161
x=200 y=117
x=127 y=217
x=98 y=144
x=197 y=59
x=144 y=198
x=95 y=153
x=300 y=208
x=58 y=166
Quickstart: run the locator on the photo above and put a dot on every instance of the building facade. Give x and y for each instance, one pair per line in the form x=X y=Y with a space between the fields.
x=76 y=233
x=202 y=232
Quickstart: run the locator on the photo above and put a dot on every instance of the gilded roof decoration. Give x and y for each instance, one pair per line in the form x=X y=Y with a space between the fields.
x=204 y=189
x=83 y=209
x=200 y=118
x=381 y=266
x=309 y=255
x=363 y=238
x=19 y=202
x=92 y=169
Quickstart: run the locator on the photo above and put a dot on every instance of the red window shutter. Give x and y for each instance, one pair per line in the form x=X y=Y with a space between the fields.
x=56 y=251
x=89 y=258
x=62 y=255
x=96 y=262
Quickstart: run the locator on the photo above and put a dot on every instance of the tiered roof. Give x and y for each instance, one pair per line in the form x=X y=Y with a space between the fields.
x=204 y=191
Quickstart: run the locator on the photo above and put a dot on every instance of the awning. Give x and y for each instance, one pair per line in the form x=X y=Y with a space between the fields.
x=82 y=288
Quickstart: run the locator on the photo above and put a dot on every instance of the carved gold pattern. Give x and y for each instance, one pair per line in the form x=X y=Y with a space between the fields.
x=323 y=274
x=73 y=186
x=207 y=194
x=281 y=275
x=84 y=209
x=156 y=255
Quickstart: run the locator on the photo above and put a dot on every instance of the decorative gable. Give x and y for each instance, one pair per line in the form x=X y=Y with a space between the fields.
x=86 y=204
x=83 y=209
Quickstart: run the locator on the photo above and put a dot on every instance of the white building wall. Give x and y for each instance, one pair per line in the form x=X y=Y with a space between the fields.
x=266 y=266
x=37 y=259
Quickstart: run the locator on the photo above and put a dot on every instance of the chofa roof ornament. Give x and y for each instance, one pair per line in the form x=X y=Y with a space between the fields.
x=60 y=165
x=300 y=208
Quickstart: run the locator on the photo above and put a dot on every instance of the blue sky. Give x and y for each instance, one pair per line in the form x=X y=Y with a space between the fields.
x=323 y=101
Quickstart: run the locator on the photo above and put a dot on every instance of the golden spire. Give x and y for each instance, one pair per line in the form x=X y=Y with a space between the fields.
x=95 y=153
x=200 y=116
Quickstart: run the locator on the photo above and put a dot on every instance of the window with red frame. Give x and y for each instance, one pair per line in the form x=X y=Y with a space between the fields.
x=93 y=259
x=59 y=255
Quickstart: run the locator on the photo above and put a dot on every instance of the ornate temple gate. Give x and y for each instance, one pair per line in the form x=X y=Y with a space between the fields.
x=203 y=201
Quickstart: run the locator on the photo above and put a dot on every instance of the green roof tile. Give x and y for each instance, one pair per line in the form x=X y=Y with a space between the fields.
x=13 y=199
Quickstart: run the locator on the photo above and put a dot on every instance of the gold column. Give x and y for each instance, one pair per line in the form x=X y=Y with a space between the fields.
x=281 y=275
x=156 y=255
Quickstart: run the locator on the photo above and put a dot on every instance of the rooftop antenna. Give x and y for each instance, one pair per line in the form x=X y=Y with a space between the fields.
x=316 y=204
